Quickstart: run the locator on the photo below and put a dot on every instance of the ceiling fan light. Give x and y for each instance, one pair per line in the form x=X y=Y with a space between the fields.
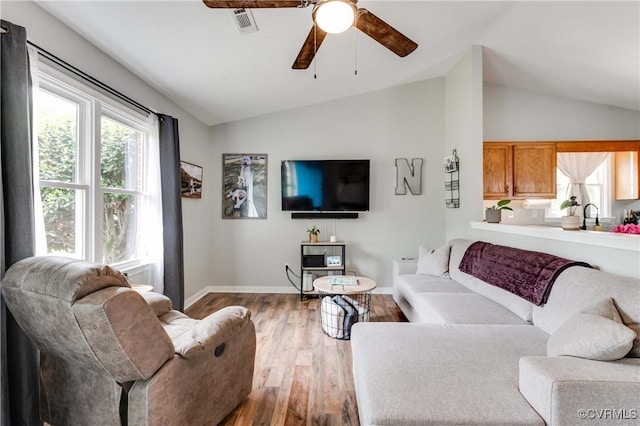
x=334 y=16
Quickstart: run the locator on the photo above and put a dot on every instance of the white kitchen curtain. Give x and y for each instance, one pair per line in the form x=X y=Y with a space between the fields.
x=577 y=166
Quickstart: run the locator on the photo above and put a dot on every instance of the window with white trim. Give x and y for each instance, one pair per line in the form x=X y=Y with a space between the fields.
x=92 y=165
x=598 y=185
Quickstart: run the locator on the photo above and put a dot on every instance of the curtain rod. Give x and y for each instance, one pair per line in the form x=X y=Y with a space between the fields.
x=53 y=58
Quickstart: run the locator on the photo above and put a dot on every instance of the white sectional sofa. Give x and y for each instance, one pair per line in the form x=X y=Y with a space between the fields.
x=475 y=354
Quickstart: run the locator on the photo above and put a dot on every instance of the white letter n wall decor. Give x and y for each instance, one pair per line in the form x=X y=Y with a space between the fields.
x=408 y=176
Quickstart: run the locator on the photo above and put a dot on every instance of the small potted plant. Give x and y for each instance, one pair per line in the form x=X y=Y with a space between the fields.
x=313 y=234
x=570 y=222
x=494 y=213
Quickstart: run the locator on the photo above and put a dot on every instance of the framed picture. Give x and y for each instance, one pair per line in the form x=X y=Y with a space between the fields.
x=244 y=186
x=190 y=180
x=451 y=163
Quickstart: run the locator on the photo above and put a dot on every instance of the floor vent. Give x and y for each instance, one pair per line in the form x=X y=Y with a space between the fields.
x=244 y=21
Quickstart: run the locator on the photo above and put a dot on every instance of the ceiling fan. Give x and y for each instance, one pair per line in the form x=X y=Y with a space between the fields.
x=361 y=18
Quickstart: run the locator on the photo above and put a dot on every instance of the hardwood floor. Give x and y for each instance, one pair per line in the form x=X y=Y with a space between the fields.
x=302 y=376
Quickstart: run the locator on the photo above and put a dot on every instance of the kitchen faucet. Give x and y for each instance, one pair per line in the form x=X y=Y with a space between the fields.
x=584 y=216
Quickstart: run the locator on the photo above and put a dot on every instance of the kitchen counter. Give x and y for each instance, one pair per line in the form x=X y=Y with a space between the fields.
x=630 y=242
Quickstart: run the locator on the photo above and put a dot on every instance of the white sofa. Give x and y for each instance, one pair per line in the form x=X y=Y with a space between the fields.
x=474 y=354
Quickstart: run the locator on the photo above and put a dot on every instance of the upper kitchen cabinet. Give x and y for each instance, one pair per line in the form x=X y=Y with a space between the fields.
x=534 y=170
x=626 y=175
x=519 y=170
x=497 y=171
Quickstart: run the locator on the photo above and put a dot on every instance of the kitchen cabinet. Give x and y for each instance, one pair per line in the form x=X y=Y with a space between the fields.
x=497 y=172
x=519 y=170
x=626 y=175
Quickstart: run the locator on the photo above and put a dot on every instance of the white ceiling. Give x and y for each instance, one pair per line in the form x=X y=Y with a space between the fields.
x=586 y=50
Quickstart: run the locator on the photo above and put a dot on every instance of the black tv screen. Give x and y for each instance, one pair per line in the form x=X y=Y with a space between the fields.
x=325 y=185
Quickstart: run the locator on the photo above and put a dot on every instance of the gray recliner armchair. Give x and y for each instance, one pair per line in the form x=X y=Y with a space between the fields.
x=110 y=356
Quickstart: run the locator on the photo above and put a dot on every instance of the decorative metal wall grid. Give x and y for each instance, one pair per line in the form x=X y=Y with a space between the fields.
x=452 y=181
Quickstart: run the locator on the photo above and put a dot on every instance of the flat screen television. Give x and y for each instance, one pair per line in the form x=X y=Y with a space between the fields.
x=325 y=185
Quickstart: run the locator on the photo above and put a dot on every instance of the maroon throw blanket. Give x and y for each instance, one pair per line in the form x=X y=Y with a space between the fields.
x=528 y=274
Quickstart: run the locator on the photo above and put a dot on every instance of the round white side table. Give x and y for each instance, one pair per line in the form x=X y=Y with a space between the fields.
x=343 y=305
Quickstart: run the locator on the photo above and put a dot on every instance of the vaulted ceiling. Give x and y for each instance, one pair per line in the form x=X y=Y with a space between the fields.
x=587 y=50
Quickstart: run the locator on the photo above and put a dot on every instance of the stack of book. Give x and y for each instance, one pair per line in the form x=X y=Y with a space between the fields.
x=343 y=281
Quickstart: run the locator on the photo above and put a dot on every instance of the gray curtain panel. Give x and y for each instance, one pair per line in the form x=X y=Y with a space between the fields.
x=171 y=211
x=19 y=369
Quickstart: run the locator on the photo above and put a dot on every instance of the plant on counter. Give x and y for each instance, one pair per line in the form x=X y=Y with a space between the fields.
x=570 y=204
x=501 y=205
x=570 y=222
x=494 y=213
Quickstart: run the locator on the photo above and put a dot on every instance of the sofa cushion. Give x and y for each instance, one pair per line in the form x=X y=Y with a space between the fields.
x=407 y=287
x=560 y=387
x=635 y=349
x=434 y=262
x=462 y=308
x=597 y=333
x=605 y=309
x=417 y=374
x=428 y=284
x=515 y=304
x=578 y=288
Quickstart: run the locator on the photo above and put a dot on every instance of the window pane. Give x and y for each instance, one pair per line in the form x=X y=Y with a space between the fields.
x=120 y=234
x=595 y=185
x=59 y=207
x=121 y=156
x=57 y=137
x=561 y=191
x=597 y=177
x=595 y=197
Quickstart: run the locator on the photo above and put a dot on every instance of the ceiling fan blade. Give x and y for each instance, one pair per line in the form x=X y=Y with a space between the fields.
x=384 y=33
x=254 y=4
x=309 y=48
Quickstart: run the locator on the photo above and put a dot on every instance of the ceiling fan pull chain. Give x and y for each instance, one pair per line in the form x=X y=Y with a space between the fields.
x=355 y=38
x=315 y=51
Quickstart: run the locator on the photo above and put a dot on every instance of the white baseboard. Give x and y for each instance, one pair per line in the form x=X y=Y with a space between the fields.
x=254 y=289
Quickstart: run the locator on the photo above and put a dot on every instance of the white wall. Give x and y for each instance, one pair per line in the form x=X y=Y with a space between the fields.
x=401 y=122
x=463 y=118
x=51 y=34
x=512 y=114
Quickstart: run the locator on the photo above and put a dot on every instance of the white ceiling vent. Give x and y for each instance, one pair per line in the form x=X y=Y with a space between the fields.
x=244 y=21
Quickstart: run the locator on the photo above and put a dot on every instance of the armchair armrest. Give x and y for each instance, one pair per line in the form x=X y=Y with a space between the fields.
x=577 y=391
x=212 y=330
x=203 y=382
x=160 y=303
